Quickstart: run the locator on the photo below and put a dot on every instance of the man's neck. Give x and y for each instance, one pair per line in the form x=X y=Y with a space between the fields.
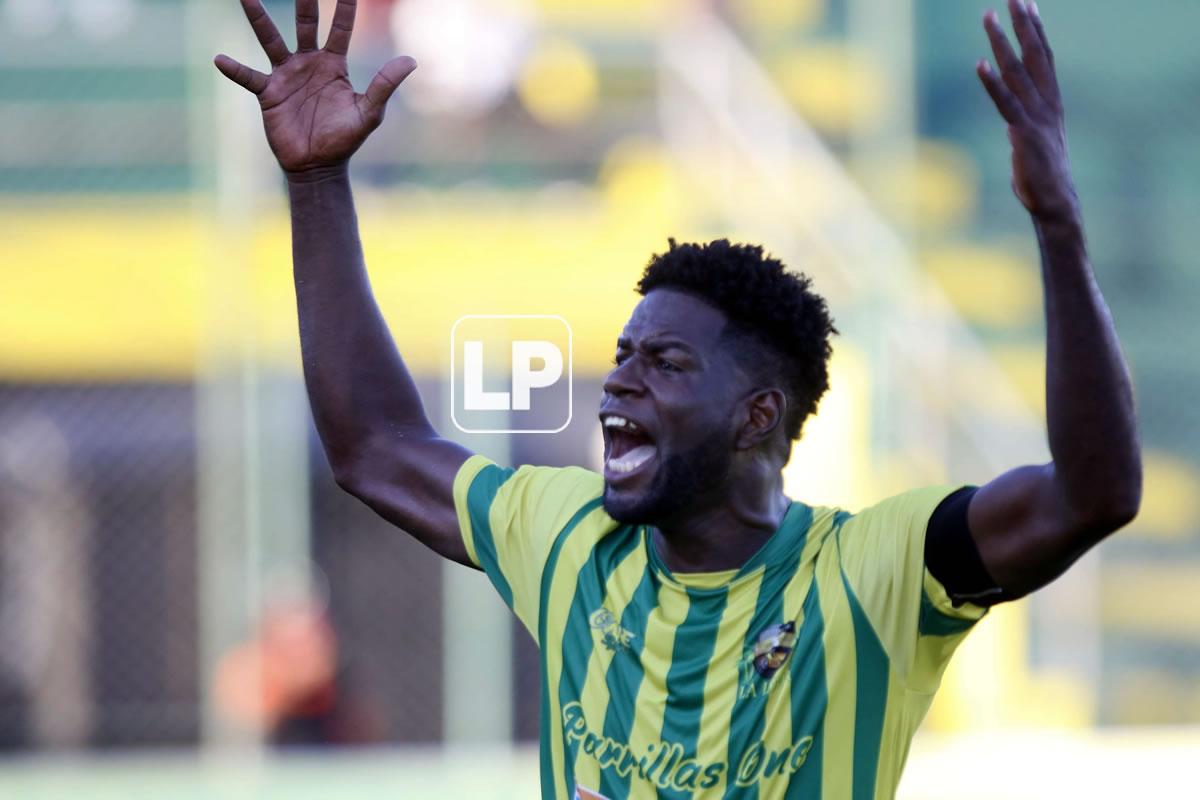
x=722 y=537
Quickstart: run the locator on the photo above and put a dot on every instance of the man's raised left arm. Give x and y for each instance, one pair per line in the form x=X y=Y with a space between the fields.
x=1032 y=523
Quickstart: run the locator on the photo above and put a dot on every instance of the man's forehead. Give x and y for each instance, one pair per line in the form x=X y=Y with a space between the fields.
x=665 y=313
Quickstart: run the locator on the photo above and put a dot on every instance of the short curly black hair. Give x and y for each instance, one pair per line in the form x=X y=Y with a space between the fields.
x=775 y=319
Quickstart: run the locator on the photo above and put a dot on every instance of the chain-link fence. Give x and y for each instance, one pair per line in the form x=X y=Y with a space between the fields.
x=98 y=616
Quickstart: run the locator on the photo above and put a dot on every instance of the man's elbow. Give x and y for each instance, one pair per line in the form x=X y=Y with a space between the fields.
x=1127 y=498
x=1116 y=506
x=1125 y=507
x=348 y=479
x=351 y=470
x=376 y=470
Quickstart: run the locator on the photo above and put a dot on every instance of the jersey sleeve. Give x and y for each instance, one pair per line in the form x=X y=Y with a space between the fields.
x=882 y=556
x=510 y=518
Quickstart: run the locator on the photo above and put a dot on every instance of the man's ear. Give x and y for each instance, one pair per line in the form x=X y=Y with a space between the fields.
x=762 y=415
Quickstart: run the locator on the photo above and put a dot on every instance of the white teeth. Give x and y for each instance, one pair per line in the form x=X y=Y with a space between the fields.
x=632 y=460
x=620 y=422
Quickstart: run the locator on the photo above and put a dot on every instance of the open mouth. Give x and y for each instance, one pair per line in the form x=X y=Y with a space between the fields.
x=630 y=447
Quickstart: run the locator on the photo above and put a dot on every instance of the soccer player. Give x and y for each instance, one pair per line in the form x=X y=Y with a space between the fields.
x=702 y=634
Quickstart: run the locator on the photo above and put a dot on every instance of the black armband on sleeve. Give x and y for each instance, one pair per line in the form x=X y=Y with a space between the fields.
x=952 y=556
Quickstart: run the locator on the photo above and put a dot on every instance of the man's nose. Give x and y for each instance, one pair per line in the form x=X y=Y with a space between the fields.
x=624 y=379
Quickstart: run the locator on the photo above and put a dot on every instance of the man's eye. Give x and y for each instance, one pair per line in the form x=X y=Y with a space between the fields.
x=667 y=366
x=619 y=359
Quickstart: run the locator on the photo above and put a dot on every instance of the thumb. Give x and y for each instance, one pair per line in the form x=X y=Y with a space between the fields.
x=388 y=80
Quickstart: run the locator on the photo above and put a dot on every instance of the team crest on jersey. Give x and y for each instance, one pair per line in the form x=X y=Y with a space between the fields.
x=612 y=635
x=772 y=648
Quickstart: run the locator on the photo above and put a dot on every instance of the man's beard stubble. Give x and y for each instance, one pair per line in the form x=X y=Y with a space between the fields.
x=683 y=483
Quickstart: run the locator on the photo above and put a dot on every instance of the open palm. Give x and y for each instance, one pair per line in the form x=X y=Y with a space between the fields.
x=1026 y=92
x=312 y=115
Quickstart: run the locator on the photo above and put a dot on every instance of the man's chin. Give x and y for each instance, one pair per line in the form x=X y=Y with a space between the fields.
x=677 y=487
x=627 y=508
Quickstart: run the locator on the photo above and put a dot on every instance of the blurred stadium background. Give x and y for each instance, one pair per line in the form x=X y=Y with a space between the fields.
x=190 y=608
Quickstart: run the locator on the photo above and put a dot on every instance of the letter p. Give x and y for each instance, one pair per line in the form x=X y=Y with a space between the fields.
x=525 y=377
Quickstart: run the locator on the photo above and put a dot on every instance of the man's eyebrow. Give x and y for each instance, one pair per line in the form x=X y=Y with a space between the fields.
x=657 y=345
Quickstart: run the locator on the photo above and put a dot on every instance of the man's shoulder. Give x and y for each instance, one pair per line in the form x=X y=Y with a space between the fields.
x=556 y=482
x=553 y=494
x=532 y=476
x=826 y=519
x=901 y=506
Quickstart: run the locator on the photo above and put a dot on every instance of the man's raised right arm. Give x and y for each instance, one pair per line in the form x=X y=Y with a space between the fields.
x=370 y=418
x=380 y=444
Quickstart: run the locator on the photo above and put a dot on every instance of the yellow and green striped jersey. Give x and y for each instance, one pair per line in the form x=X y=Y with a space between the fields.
x=804 y=674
